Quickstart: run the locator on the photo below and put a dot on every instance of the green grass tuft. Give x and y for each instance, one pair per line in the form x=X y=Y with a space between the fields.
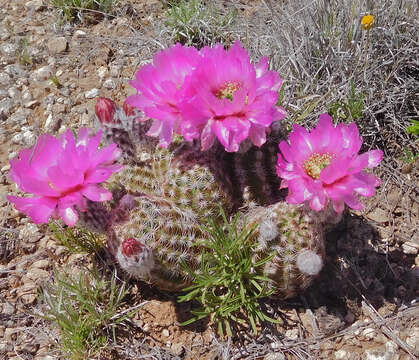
x=87 y=310
x=77 y=240
x=72 y=10
x=193 y=23
x=228 y=284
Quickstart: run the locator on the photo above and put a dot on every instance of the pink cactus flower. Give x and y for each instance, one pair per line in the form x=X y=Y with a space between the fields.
x=62 y=173
x=230 y=98
x=160 y=89
x=325 y=165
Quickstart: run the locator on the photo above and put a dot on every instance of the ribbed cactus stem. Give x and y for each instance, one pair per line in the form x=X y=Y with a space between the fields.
x=295 y=238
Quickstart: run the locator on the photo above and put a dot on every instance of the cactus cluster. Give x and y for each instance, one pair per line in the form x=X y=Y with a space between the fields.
x=168 y=194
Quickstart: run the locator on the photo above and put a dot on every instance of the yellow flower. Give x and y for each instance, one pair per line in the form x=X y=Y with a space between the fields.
x=367 y=22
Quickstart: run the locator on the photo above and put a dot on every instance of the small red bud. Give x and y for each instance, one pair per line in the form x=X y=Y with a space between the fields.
x=132 y=247
x=129 y=109
x=105 y=109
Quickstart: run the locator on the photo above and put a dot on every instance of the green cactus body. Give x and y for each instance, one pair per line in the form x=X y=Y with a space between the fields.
x=296 y=240
x=172 y=202
x=169 y=233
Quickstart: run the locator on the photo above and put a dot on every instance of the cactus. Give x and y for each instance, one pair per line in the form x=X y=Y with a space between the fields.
x=170 y=193
x=296 y=239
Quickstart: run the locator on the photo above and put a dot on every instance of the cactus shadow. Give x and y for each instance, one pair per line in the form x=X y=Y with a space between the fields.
x=358 y=267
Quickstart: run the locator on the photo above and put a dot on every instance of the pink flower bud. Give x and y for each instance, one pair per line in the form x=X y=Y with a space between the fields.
x=105 y=109
x=129 y=109
x=132 y=247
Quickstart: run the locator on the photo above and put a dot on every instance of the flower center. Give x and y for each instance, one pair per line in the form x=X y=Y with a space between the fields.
x=316 y=163
x=227 y=90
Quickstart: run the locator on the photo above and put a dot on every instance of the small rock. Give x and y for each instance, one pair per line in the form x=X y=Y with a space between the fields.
x=29 y=232
x=410 y=248
x=13 y=92
x=165 y=333
x=85 y=119
x=4 y=79
x=57 y=45
x=292 y=334
x=51 y=123
x=341 y=354
x=92 y=93
x=9 y=49
x=5 y=168
x=43 y=73
x=5 y=347
x=29 y=138
x=378 y=215
x=8 y=309
x=413 y=339
x=115 y=70
x=27 y=99
x=109 y=84
x=10 y=334
x=274 y=356
x=58 y=108
x=19 y=118
x=177 y=349
x=41 y=264
x=101 y=72
x=369 y=333
x=36 y=275
x=34 y=4
x=79 y=34
x=15 y=70
x=382 y=353
x=6 y=106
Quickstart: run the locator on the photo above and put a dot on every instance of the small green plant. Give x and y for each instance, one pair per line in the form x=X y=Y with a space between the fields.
x=193 y=23
x=71 y=10
x=410 y=157
x=350 y=109
x=77 y=240
x=228 y=284
x=413 y=128
x=56 y=82
x=24 y=56
x=87 y=310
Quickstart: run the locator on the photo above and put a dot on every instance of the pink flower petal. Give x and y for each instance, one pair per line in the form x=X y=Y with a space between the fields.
x=69 y=215
x=39 y=209
x=96 y=193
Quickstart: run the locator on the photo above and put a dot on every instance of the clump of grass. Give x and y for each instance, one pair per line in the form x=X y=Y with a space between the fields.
x=77 y=240
x=193 y=23
x=349 y=109
x=72 y=10
x=228 y=284
x=24 y=57
x=87 y=309
x=413 y=128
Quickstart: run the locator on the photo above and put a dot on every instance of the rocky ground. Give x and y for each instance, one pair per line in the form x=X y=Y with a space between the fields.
x=364 y=304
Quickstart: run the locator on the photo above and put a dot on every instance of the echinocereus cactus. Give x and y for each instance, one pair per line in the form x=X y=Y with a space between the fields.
x=62 y=173
x=325 y=165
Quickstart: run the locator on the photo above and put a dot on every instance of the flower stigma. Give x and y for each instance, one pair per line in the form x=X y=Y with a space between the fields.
x=227 y=90
x=316 y=163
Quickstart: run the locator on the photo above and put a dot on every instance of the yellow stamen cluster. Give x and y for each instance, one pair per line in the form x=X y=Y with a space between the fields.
x=227 y=90
x=367 y=22
x=316 y=163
